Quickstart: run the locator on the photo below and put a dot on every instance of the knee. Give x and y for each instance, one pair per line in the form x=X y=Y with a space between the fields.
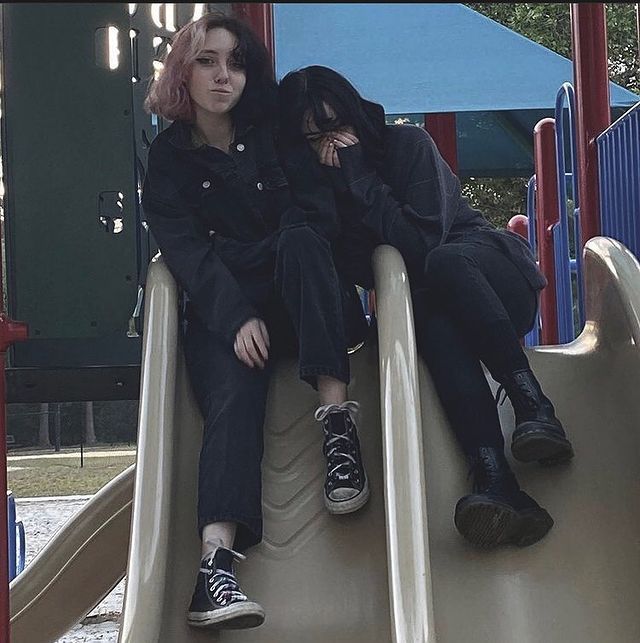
x=445 y=266
x=300 y=240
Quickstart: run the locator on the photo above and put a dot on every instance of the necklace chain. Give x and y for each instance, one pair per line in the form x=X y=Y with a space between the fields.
x=200 y=138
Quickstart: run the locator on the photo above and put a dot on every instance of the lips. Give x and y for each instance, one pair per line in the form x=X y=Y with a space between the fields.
x=220 y=91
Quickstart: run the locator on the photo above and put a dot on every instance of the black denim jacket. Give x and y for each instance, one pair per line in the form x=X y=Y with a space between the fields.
x=199 y=201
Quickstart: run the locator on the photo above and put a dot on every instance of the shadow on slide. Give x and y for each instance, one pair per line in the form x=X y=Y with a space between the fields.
x=397 y=570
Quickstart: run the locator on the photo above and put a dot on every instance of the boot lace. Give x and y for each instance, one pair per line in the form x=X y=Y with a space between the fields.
x=524 y=395
x=501 y=391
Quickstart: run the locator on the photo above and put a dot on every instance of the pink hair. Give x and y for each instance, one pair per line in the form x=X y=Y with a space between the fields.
x=169 y=95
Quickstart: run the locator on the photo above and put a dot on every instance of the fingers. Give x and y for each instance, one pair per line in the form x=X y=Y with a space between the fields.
x=336 y=160
x=252 y=351
x=346 y=138
x=327 y=153
x=257 y=340
x=265 y=334
x=252 y=344
x=241 y=352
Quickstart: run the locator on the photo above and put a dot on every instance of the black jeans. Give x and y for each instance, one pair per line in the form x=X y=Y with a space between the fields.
x=472 y=306
x=308 y=309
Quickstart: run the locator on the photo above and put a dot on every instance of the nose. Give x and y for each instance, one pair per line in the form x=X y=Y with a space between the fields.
x=222 y=74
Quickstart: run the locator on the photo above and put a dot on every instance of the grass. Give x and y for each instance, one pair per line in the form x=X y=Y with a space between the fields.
x=30 y=477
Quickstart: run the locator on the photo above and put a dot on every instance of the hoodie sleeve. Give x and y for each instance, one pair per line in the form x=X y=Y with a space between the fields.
x=411 y=222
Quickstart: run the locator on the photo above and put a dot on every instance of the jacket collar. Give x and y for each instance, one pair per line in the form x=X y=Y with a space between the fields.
x=182 y=137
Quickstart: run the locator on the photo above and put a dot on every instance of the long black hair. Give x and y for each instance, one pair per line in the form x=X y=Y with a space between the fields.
x=303 y=92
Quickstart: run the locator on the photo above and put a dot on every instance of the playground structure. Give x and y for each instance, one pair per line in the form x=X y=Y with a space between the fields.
x=585 y=588
x=415 y=580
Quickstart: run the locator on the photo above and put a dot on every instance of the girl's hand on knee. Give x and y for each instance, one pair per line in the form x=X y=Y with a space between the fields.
x=252 y=343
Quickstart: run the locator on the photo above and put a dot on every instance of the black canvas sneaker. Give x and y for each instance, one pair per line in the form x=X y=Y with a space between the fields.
x=346 y=486
x=218 y=602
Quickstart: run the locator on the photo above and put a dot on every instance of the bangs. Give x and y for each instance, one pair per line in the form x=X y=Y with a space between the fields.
x=322 y=119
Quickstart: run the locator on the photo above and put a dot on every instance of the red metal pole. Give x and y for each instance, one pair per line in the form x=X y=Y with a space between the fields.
x=520 y=225
x=442 y=128
x=593 y=114
x=547 y=214
x=259 y=16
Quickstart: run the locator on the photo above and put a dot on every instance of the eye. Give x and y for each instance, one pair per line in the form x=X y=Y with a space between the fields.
x=205 y=61
x=237 y=64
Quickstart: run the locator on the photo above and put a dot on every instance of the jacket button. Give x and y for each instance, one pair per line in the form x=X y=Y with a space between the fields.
x=206 y=184
x=240 y=147
x=259 y=186
x=211 y=233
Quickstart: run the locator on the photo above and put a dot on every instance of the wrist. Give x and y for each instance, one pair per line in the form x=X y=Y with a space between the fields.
x=353 y=163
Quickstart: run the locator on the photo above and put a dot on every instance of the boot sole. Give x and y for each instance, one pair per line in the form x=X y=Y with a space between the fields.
x=348 y=506
x=535 y=442
x=234 y=617
x=488 y=524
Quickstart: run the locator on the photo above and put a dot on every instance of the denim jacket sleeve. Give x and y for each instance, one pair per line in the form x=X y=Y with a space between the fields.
x=214 y=293
x=411 y=222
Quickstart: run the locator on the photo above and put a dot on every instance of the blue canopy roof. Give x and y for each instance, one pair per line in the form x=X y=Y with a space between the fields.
x=429 y=58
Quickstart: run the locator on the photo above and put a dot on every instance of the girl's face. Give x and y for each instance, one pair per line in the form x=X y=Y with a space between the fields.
x=217 y=78
x=317 y=138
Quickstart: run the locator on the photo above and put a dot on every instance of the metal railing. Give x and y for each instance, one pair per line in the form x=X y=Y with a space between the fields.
x=17 y=542
x=532 y=338
x=566 y=264
x=619 y=178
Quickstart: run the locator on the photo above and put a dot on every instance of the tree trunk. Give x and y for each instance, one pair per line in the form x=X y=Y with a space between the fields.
x=90 y=432
x=43 y=433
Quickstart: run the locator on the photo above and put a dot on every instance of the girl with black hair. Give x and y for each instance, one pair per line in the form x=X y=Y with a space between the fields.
x=474 y=289
x=258 y=274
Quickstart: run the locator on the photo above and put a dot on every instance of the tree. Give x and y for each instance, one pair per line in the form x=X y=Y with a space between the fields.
x=549 y=24
x=89 y=428
x=43 y=432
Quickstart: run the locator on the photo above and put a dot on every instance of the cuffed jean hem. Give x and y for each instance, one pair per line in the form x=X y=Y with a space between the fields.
x=248 y=530
x=310 y=374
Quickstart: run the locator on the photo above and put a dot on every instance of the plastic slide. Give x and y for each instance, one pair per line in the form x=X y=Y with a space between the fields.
x=79 y=566
x=397 y=570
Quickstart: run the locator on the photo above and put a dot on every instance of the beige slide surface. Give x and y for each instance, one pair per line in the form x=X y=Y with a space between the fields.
x=397 y=570
x=581 y=583
x=79 y=566
x=319 y=577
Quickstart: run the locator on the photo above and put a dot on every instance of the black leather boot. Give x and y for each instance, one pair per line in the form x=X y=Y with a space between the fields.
x=498 y=512
x=538 y=434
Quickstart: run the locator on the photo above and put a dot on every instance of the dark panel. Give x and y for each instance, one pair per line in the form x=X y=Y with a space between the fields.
x=25 y=385
x=68 y=156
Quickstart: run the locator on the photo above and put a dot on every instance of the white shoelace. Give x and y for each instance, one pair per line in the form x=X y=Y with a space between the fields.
x=351 y=406
x=332 y=444
x=223 y=585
